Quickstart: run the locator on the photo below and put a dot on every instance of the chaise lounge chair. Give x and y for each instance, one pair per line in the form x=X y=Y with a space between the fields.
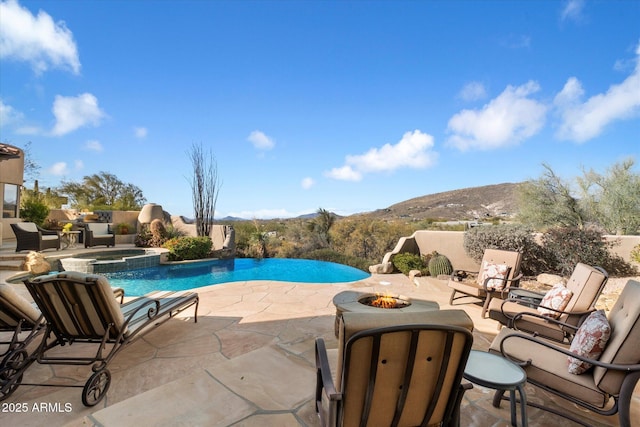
x=30 y=237
x=585 y=286
x=22 y=323
x=607 y=387
x=81 y=308
x=499 y=272
x=396 y=369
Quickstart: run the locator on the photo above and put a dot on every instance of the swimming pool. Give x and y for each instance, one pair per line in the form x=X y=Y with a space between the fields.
x=179 y=277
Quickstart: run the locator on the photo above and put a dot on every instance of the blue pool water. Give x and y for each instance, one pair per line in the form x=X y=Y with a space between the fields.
x=179 y=277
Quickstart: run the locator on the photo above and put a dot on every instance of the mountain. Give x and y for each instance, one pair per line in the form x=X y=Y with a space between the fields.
x=499 y=200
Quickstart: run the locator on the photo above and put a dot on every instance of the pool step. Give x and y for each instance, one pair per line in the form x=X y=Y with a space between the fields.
x=11 y=262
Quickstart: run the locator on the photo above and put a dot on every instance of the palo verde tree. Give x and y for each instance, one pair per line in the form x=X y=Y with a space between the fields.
x=205 y=186
x=613 y=199
x=102 y=191
x=549 y=201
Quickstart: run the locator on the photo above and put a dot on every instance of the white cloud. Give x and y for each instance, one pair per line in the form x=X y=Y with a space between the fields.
x=79 y=164
x=140 y=132
x=582 y=121
x=506 y=120
x=413 y=151
x=72 y=113
x=59 y=169
x=473 y=91
x=572 y=10
x=261 y=141
x=93 y=145
x=344 y=173
x=36 y=39
x=9 y=115
x=307 y=183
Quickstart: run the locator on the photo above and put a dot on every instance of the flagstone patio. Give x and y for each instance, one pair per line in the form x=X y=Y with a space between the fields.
x=248 y=361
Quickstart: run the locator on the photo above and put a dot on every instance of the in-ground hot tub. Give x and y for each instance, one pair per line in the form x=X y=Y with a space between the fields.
x=111 y=261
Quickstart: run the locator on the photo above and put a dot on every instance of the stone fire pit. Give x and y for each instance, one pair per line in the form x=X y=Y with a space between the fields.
x=352 y=301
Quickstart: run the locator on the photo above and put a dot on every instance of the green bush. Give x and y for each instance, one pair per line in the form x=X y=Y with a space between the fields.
x=185 y=248
x=508 y=237
x=405 y=262
x=567 y=246
x=333 y=256
x=33 y=210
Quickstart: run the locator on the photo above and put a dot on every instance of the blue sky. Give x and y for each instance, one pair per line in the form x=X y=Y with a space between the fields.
x=350 y=106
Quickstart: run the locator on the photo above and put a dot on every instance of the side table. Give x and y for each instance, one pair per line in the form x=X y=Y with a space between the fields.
x=70 y=238
x=498 y=373
x=528 y=298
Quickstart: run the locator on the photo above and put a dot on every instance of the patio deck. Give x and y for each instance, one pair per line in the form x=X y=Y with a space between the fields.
x=249 y=361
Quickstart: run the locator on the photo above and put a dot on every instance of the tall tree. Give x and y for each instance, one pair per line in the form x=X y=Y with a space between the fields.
x=549 y=201
x=321 y=225
x=205 y=186
x=103 y=191
x=613 y=199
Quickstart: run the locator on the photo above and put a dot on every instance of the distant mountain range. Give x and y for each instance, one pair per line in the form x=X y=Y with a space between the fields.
x=498 y=200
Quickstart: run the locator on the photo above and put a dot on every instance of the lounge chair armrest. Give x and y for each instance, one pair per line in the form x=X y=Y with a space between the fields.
x=508 y=283
x=544 y=343
x=545 y=318
x=324 y=373
x=47 y=232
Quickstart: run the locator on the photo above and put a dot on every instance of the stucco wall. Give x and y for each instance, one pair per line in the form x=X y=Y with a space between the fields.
x=451 y=244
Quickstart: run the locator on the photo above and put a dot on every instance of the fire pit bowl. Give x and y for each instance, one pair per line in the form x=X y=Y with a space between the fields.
x=389 y=302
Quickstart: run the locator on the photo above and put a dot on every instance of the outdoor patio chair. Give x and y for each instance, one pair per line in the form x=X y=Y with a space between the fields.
x=499 y=272
x=98 y=233
x=81 y=309
x=30 y=237
x=394 y=369
x=607 y=387
x=585 y=286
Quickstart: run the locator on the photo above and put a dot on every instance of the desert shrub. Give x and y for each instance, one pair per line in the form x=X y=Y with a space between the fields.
x=635 y=254
x=567 y=246
x=509 y=237
x=143 y=238
x=184 y=248
x=406 y=261
x=33 y=210
x=158 y=233
x=333 y=256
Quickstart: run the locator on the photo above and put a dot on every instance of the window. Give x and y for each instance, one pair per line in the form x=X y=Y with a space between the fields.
x=10 y=202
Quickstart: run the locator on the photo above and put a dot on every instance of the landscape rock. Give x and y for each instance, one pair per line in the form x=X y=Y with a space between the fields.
x=414 y=273
x=550 y=279
x=36 y=263
x=384 y=268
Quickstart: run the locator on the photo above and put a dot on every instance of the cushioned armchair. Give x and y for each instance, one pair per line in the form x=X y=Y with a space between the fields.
x=609 y=343
x=396 y=369
x=99 y=233
x=575 y=301
x=499 y=272
x=30 y=237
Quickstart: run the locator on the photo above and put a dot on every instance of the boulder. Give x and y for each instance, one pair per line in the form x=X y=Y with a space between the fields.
x=549 y=279
x=384 y=268
x=36 y=264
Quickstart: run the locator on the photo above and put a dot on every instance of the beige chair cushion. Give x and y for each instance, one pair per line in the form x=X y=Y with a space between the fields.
x=14 y=307
x=586 y=283
x=624 y=341
x=28 y=226
x=393 y=363
x=99 y=229
x=80 y=311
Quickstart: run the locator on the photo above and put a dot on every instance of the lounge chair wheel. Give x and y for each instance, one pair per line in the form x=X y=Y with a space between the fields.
x=96 y=387
x=10 y=372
